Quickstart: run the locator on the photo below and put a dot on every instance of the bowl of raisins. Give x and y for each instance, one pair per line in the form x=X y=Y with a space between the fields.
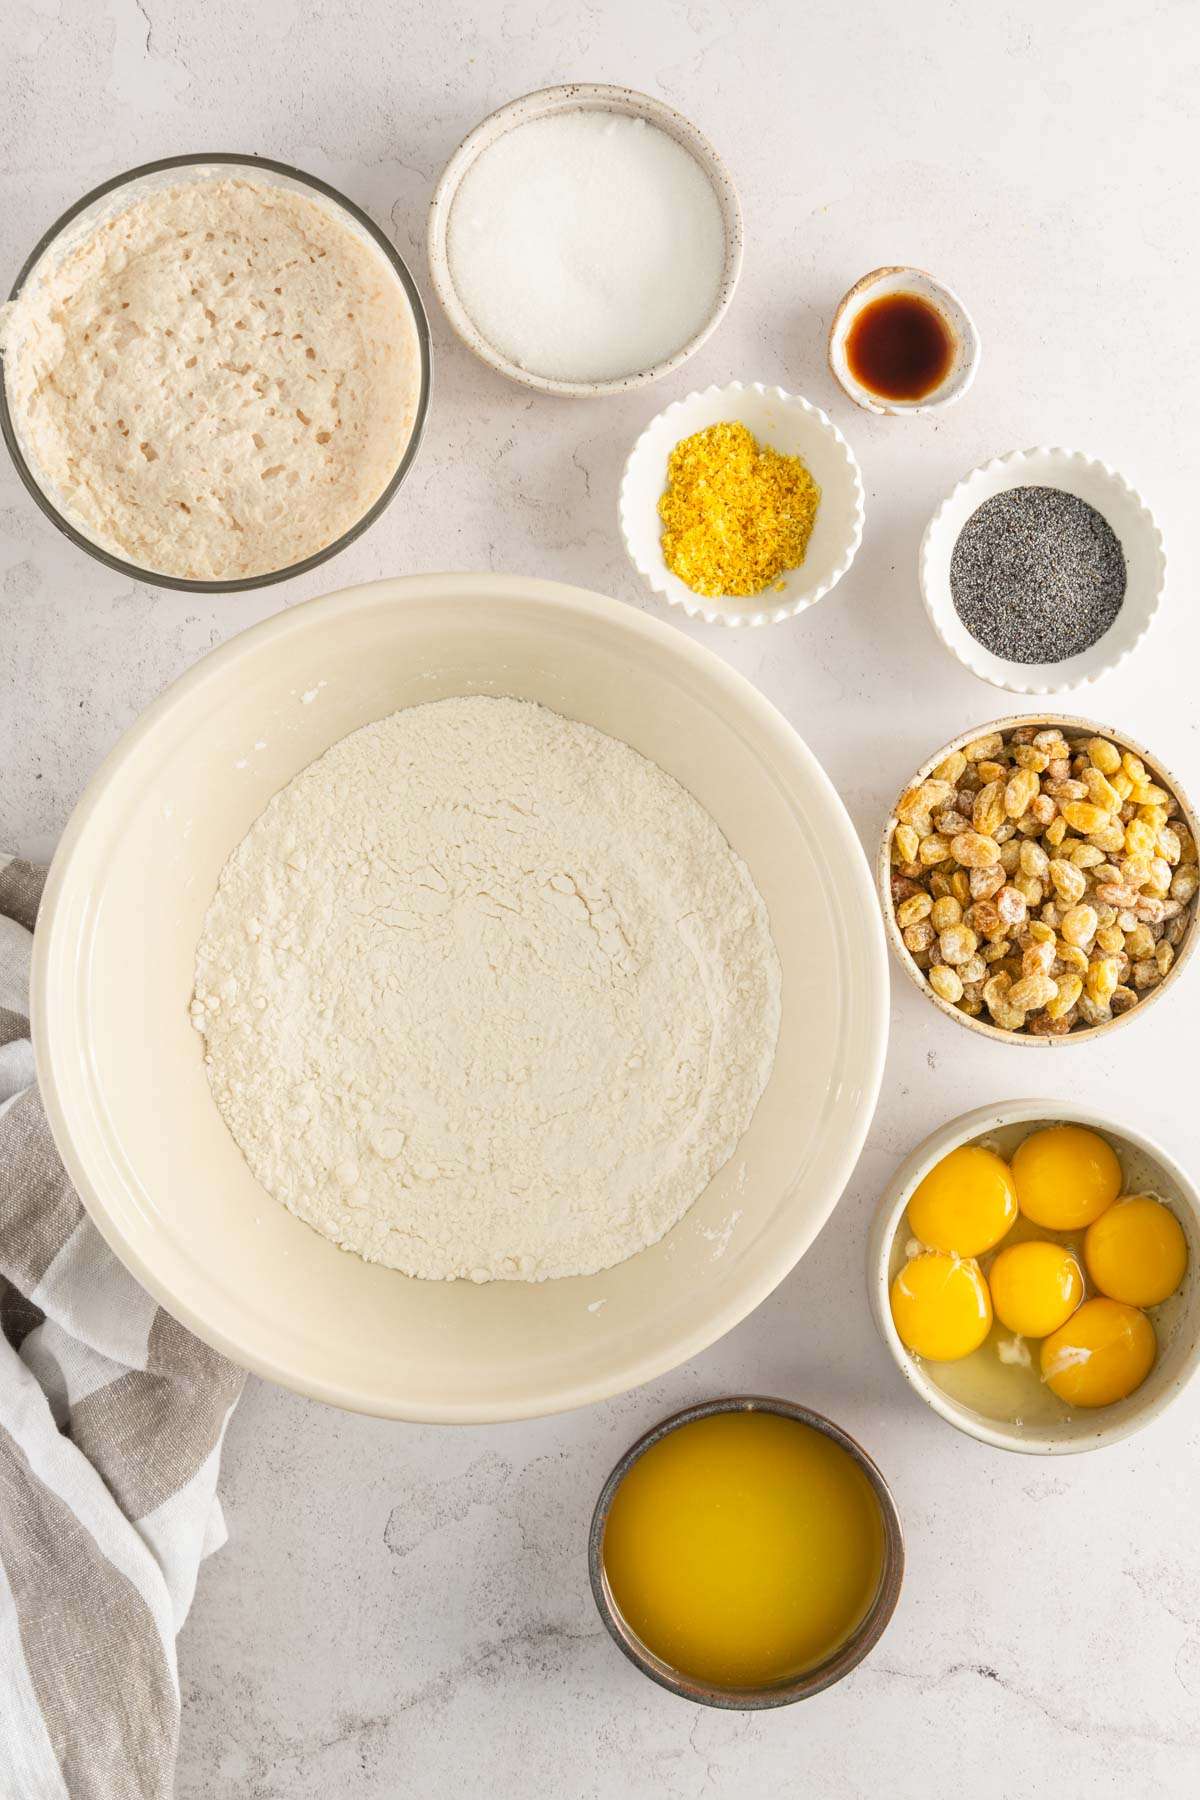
x=1039 y=879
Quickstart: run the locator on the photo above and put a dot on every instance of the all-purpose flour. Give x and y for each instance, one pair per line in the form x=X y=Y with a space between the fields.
x=486 y=994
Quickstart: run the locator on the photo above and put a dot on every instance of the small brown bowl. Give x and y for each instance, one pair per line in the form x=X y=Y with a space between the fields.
x=813 y=1681
x=1081 y=1034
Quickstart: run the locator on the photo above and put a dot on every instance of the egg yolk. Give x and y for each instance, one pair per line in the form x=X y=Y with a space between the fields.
x=1103 y=1352
x=1035 y=1288
x=941 y=1307
x=966 y=1204
x=1066 y=1176
x=1136 y=1251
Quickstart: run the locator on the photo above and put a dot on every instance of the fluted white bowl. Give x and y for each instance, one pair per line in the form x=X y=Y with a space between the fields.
x=1111 y=495
x=789 y=424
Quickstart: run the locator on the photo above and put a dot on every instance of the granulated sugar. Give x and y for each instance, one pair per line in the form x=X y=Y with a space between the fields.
x=586 y=246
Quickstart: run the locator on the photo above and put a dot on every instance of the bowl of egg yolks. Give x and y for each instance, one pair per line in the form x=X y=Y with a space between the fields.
x=1035 y=1274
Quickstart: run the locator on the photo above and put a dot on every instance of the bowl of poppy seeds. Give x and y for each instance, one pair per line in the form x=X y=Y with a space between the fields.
x=1042 y=571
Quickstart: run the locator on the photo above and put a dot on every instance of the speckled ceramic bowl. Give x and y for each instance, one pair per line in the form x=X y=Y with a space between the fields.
x=879 y=283
x=982 y=1025
x=813 y=1681
x=574 y=97
x=1145 y=1164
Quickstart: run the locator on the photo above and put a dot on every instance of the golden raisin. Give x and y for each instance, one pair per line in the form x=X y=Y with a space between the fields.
x=987 y=814
x=1022 y=785
x=974 y=850
x=1104 y=755
x=1070 y=882
x=980 y=748
x=1069 y=989
x=1032 y=992
x=1083 y=817
x=951 y=767
x=918 y=906
x=945 y=983
x=957 y=944
x=947 y=911
x=1079 y=925
x=1101 y=978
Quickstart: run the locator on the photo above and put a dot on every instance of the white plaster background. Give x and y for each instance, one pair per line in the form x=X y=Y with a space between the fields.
x=404 y=1612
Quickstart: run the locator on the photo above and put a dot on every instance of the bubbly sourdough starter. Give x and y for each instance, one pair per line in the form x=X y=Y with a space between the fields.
x=216 y=382
x=486 y=994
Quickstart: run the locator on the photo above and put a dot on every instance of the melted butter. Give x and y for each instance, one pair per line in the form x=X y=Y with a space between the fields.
x=744 y=1549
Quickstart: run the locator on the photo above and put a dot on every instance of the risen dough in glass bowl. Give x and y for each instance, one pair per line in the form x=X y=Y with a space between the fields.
x=216 y=371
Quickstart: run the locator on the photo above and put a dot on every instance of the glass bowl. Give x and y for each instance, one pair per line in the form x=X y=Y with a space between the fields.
x=107 y=199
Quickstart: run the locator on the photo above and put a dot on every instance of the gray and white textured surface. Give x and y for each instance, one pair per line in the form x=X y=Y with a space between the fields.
x=404 y=1612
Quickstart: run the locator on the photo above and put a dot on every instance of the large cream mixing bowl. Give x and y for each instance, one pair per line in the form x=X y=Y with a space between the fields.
x=121 y=1067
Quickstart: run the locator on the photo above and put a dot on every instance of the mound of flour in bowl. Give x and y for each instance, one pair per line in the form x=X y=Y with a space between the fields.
x=486 y=994
x=215 y=382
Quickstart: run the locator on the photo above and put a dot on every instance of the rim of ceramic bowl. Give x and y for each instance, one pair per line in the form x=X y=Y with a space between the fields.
x=883 y=871
x=224 y=159
x=814 y=1681
x=1017 y=678
x=963 y=329
x=540 y=103
x=939 y=1143
x=699 y=606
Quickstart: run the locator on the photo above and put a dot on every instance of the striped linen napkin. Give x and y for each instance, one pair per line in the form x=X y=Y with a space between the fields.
x=111 y=1421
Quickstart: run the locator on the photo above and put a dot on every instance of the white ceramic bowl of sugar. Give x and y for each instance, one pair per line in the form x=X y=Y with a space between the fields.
x=1147 y=1167
x=788 y=424
x=121 y=1069
x=557 y=103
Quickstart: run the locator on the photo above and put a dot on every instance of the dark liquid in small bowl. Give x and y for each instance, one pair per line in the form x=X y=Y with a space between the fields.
x=900 y=347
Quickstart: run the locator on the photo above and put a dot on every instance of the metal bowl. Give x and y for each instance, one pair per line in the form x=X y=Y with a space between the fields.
x=812 y=1681
x=101 y=199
